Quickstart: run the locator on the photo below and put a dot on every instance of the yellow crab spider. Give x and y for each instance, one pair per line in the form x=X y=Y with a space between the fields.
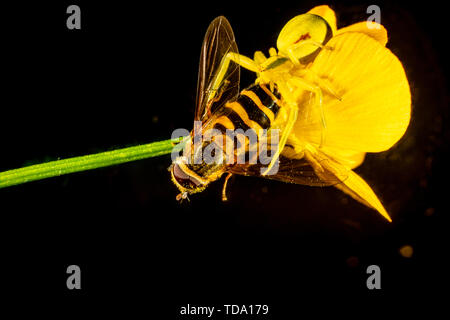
x=298 y=43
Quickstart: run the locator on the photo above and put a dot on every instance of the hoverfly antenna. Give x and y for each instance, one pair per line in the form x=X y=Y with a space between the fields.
x=182 y=196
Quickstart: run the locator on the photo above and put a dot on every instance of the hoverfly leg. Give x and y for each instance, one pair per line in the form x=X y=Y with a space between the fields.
x=224 y=190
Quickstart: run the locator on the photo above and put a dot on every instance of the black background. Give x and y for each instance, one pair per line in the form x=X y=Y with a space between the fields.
x=128 y=77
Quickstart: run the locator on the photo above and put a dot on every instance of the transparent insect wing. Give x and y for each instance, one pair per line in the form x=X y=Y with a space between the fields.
x=298 y=171
x=218 y=42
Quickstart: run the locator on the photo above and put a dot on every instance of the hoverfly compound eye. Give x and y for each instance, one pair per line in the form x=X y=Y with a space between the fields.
x=302 y=37
x=184 y=179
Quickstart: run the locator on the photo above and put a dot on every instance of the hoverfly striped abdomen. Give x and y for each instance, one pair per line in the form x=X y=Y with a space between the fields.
x=243 y=120
x=255 y=108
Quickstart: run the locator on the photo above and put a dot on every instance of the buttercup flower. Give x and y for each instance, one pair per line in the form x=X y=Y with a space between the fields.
x=366 y=105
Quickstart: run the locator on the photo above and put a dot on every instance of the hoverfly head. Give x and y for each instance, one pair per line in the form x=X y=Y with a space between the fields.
x=186 y=179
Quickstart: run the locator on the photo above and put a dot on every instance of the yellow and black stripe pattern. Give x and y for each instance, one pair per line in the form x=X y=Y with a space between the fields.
x=255 y=108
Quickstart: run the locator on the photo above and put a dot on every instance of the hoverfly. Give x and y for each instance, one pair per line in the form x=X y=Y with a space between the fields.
x=303 y=93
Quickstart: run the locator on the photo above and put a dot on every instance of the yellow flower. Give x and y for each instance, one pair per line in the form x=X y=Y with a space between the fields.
x=373 y=111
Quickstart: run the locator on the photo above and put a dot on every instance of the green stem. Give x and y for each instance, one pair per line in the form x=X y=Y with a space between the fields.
x=88 y=162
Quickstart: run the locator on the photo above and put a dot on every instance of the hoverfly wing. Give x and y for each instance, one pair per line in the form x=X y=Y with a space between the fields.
x=215 y=87
x=298 y=171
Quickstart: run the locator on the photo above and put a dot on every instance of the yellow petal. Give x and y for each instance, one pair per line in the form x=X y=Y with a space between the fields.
x=375 y=106
x=359 y=190
x=370 y=28
x=327 y=169
x=327 y=13
x=349 y=158
x=352 y=184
